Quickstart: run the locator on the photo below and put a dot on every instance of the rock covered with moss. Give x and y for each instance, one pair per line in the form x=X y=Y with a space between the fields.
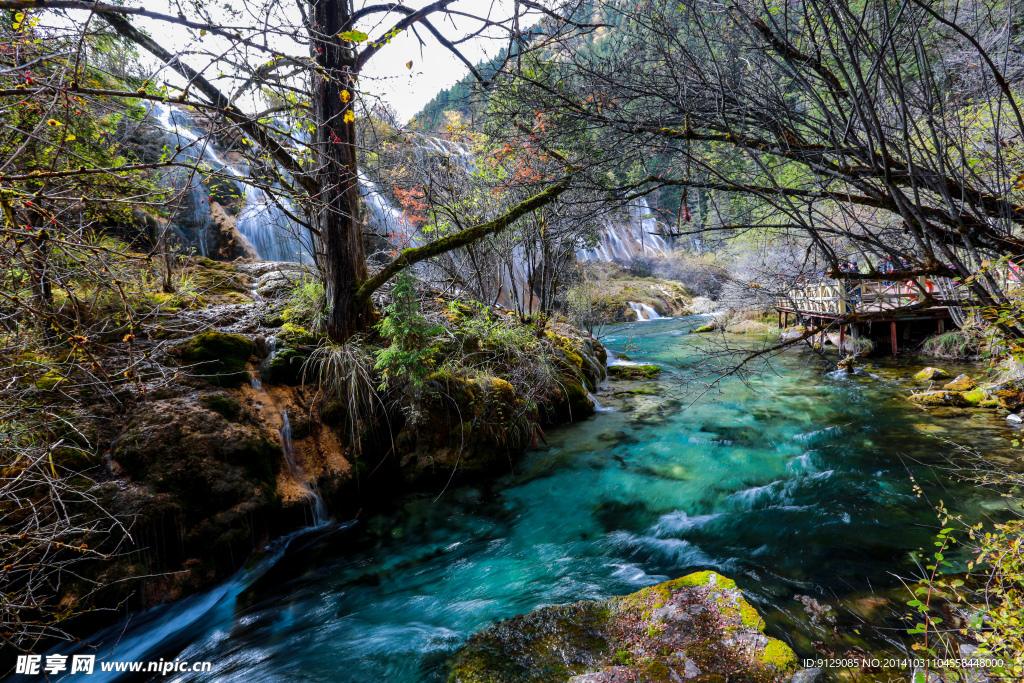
x=218 y=357
x=961 y=383
x=698 y=627
x=939 y=398
x=200 y=472
x=463 y=424
x=929 y=374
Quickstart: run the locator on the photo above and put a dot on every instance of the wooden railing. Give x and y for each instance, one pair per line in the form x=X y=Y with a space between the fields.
x=839 y=297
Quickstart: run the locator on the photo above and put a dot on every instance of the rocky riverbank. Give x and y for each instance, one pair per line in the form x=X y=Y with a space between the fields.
x=224 y=446
x=695 y=628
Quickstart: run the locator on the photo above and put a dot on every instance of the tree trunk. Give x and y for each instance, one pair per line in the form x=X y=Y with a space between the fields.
x=337 y=211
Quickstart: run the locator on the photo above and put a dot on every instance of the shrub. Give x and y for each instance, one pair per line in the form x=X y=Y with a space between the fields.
x=960 y=343
x=410 y=356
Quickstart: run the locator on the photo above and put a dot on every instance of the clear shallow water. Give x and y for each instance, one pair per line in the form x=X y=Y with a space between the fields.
x=800 y=487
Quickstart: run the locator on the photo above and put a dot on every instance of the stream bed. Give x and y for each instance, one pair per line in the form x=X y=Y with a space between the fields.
x=796 y=485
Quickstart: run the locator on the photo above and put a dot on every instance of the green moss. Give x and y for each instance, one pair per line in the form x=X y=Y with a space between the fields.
x=778 y=655
x=296 y=335
x=659 y=672
x=285 y=366
x=711 y=327
x=633 y=371
x=749 y=616
x=218 y=357
x=223 y=404
x=974 y=397
x=49 y=381
x=565 y=345
x=569 y=403
x=702 y=579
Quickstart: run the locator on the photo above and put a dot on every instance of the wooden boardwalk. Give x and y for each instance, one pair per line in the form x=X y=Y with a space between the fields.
x=874 y=298
x=879 y=301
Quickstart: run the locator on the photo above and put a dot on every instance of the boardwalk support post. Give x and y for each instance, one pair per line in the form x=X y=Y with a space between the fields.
x=842 y=338
x=893 y=334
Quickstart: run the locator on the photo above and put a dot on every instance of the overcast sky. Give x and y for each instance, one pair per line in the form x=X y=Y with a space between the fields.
x=387 y=75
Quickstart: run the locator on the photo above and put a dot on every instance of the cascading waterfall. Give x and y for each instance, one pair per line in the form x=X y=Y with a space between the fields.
x=319 y=508
x=270 y=231
x=626 y=237
x=644 y=312
x=385 y=218
x=262 y=221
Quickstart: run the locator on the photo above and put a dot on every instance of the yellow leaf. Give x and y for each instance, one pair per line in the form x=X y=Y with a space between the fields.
x=408 y=65
x=350 y=116
x=345 y=96
x=54 y=122
x=70 y=138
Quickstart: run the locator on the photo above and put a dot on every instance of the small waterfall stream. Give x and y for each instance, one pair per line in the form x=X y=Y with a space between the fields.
x=320 y=517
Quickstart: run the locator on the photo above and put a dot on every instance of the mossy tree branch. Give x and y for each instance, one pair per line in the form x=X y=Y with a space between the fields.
x=462 y=238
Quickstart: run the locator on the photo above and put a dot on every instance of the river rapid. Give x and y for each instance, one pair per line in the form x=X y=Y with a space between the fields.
x=796 y=485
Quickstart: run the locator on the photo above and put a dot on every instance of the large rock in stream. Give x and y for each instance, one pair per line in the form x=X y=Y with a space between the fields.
x=696 y=628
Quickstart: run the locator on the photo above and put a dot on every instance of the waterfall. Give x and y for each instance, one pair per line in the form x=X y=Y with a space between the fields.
x=319 y=509
x=262 y=220
x=597 y=404
x=626 y=237
x=271 y=232
x=644 y=312
x=385 y=218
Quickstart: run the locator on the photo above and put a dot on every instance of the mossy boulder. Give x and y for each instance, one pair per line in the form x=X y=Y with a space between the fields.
x=569 y=402
x=939 y=398
x=961 y=383
x=466 y=424
x=223 y=404
x=578 y=356
x=218 y=357
x=710 y=327
x=633 y=371
x=977 y=397
x=284 y=366
x=1009 y=394
x=930 y=374
x=698 y=626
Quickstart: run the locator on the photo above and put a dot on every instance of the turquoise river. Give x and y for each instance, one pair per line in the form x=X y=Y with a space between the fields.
x=795 y=483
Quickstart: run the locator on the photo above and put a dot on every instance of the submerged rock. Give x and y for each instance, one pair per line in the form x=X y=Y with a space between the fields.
x=633 y=371
x=929 y=374
x=697 y=627
x=961 y=383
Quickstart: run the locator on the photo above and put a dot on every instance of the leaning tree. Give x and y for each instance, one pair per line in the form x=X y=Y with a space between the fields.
x=257 y=47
